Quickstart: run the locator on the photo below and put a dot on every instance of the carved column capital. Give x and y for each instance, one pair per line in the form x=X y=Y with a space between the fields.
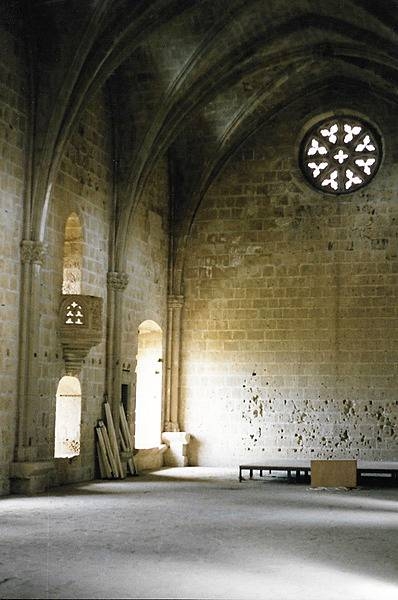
x=117 y=280
x=175 y=301
x=33 y=252
x=169 y=426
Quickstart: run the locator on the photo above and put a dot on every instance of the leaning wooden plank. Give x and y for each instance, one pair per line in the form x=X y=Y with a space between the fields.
x=125 y=439
x=125 y=428
x=131 y=466
x=109 y=450
x=108 y=458
x=123 y=421
x=113 y=440
x=125 y=425
x=105 y=460
x=101 y=462
x=122 y=442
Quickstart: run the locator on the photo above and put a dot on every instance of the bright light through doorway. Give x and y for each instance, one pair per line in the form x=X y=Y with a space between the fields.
x=148 y=411
x=67 y=418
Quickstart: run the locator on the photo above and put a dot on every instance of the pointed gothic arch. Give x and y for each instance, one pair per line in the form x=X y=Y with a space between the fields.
x=72 y=256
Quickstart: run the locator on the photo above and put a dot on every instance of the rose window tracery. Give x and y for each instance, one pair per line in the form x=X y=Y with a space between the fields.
x=340 y=155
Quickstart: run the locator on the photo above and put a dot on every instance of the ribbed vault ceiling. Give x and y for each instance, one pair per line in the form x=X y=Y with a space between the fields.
x=193 y=78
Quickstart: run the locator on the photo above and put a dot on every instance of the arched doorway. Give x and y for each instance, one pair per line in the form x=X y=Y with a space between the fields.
x=73 y=252
x=148 y=407
x=67 y=418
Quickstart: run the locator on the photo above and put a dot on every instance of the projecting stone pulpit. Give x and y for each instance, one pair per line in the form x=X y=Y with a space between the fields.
x=80 y=328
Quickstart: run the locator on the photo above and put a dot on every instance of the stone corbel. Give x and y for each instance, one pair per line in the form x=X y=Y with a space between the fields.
x=80 y=328
x=117 y=281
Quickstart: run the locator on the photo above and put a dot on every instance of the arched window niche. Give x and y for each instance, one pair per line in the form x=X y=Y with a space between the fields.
x=67 y=418
x=73 y=253
x=148 y=407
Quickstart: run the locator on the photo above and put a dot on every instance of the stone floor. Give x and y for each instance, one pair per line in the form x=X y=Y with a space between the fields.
x=198 y=533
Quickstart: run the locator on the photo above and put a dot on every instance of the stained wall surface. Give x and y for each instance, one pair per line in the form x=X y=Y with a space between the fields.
x=13 y=135
x=290 y=323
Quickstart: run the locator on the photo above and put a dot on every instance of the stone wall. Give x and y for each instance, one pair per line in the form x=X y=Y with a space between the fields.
x=290 y=324
x=83 y=186
x=13 y=136
x=146 y=295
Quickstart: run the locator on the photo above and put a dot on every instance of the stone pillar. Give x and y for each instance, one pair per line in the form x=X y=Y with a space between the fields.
x=177 y=441
x=32 y=259
x=117 y=283
x=28 y=474
x=175 y=304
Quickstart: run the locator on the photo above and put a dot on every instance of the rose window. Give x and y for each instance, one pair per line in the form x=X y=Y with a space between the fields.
x=340 y=155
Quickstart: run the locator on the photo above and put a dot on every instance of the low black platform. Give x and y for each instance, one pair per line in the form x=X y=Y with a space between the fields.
x=303 y=468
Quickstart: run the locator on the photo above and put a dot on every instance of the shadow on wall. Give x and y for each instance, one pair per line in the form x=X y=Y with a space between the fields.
x=193 y=451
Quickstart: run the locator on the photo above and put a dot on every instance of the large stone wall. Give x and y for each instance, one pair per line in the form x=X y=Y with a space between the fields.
x=290 y=323
x=13 y=136
x=146 y=295
x=83 y=186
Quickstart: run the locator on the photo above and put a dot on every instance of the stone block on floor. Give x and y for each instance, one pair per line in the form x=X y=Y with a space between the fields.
x=32 y=477
x=177 y=443
x=147 y=459
x=334 y=473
